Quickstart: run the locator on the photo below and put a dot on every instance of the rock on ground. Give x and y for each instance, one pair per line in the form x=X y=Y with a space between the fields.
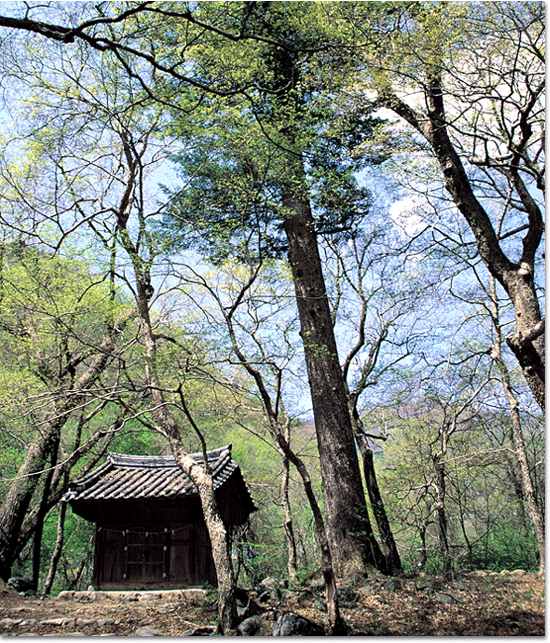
x=291 y=624
x=147 y=630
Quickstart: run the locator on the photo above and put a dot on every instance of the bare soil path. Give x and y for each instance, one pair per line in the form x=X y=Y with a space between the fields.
x=477 y=604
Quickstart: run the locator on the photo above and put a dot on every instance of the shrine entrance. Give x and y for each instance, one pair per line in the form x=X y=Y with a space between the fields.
x=170 y=558
x=150 y=527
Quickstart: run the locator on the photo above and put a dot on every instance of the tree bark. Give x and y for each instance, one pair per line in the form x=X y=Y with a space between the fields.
x=18 y=498
x=527 y=343
x=281 y=437
x=16 y=503
x=350 y=534
x=337 y=624
x=388 y=546
x=537 y=518
x=201 y=478
x=56 y=489
x=42 y=513
x=289 y=529
x=58 y=548
x=441 y=513
x=217 y=530
x=423 y=551
x=166 y=423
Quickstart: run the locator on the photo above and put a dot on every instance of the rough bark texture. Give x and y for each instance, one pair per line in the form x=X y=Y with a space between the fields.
x=281 y=437
x=227 y=606
x=217 y=530
x=350 y=534
x=537 y=518
x=18 y=498
x=337 y=624
x=17 y=522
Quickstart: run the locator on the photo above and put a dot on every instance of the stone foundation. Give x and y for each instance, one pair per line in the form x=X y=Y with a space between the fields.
x=190 y=594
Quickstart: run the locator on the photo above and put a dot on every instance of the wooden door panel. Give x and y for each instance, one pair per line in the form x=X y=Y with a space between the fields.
x=179 y=557
x=113 y=556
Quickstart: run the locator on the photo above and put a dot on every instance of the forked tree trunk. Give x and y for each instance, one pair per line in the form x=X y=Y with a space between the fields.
x=17 y=501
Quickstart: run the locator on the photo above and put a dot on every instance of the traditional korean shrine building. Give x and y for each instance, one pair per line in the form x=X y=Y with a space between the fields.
x=150 y=529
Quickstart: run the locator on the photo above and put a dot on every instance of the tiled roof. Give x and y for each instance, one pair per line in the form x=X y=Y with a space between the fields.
x=139 y=477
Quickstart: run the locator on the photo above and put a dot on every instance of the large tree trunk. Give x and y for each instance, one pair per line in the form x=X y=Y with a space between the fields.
x=281 y=436
x=350 y=534
x=527 y=343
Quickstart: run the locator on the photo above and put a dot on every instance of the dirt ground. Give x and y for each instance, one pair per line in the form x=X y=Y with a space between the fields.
x=477 y=604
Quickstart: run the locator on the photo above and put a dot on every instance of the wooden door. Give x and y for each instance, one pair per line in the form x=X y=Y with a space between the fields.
x=146 y=555
x=183 y=568
x=191 y=562
x=141 y=559
x=110 y=558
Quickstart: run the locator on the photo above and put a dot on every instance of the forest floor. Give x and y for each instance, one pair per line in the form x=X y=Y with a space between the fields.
x=477 y=604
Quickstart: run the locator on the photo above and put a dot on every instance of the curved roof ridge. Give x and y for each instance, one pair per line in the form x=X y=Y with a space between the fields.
x=130 y=460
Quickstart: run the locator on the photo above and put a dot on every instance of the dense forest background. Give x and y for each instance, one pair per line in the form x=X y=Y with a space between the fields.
x=159 y=165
